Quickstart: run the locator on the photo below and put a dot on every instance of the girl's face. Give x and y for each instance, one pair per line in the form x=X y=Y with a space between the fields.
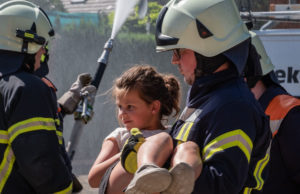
x=134 y=112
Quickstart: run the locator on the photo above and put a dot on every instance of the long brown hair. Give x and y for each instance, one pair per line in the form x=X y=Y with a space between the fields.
x=151 y=86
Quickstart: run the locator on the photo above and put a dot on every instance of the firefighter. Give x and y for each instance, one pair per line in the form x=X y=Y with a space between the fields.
x=284 y=112
x=31 y=155
x=210 y=45
x=66 y=104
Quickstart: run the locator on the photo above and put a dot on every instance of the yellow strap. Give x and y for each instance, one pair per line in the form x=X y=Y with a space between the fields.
x=28 y=35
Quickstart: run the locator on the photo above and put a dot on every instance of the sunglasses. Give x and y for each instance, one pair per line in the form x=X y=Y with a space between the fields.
x=178 y=52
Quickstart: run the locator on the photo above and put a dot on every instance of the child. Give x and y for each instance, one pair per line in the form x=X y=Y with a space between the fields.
x=184 y=160
x=144 y=98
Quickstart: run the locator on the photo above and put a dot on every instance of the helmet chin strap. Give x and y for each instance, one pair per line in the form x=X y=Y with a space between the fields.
x=28 y=63
x=207 y=65
x=29 y=36
x=43 y=70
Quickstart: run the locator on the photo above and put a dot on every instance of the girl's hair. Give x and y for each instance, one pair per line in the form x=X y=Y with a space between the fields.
x=151 y=86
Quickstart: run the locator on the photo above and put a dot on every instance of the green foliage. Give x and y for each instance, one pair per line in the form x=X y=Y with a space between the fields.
x=86 y=25
x=134 y=24
x=160 y=2
x=153 y=12
x=135 y=38
x=83 y=28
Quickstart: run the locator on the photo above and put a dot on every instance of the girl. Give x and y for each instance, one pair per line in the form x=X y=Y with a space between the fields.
x=144 y=99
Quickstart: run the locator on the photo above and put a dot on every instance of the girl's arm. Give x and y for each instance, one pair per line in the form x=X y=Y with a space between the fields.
x=109 y=154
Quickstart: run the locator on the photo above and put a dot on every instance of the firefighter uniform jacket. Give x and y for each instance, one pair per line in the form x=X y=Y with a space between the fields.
x=284 y=112
x=30 y=155
x=231 y=130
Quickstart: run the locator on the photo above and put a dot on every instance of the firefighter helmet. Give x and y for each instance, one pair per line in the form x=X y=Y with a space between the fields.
x=208 y=27
x=25 y=27
x=267 y=68
x=265 y=61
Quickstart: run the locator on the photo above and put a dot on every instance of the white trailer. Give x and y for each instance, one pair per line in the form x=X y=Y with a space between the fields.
x=283 y=47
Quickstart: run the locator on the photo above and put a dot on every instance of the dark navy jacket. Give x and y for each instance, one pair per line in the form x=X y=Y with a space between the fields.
x=231 y=130
x=285 y=151
x=30 y=139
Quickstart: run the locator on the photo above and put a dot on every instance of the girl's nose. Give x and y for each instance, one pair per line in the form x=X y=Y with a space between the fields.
x=122 y=112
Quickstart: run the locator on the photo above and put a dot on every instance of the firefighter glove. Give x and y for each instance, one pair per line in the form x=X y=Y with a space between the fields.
x=71 y=98
x=129 y=152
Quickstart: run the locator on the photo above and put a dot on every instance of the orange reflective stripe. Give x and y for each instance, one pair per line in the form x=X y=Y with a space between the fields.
x=49 y=83
x=58 y=109
x=278 y=109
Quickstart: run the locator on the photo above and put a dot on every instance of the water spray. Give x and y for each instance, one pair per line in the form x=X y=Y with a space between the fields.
x=83 y=113
x=123 y=9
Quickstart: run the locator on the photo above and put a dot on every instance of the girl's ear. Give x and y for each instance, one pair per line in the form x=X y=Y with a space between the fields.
x=156 y=106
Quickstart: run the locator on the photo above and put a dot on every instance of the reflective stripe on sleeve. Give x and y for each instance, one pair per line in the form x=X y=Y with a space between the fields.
x=4 y=137
x=33 y=124
x=274 y=125
x=236 y=138
x=184 y=131
x=278 y=108
x=59 y=136
x=6 y=166
x=57 y=121
x=7 y=137
x=68 y=190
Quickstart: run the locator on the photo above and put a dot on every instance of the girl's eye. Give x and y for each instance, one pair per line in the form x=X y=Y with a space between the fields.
x=129 y=107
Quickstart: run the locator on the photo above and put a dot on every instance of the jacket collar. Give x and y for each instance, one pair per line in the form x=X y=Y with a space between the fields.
x=10 y=62
x=203 y=86
x=269 y=94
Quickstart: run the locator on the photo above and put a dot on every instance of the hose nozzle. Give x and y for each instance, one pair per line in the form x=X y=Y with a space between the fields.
x=105 y=54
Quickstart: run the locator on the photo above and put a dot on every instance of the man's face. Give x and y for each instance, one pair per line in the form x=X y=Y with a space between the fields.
x=186 y=61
